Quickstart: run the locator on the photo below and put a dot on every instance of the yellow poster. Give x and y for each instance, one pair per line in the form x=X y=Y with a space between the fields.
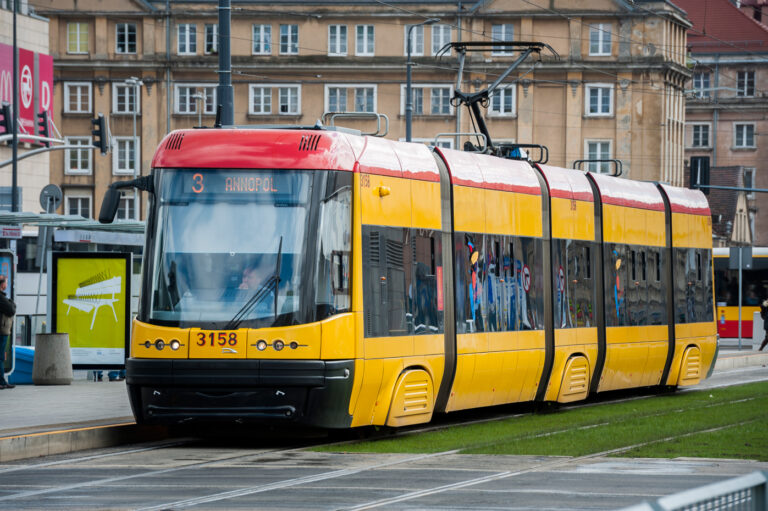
x=92 y=304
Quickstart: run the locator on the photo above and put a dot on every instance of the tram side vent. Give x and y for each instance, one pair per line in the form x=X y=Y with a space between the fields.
x=174 y=142
x=375 y=247
x=309 y=142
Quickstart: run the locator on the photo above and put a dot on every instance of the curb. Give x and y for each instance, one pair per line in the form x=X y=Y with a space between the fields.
x=753 y=359
x=78 y=439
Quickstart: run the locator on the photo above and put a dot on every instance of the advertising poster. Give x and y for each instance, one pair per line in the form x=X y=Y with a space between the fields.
x=45 y=84
x=91 y=302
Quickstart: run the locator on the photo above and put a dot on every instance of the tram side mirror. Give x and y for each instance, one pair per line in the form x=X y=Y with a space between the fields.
x=109 y=206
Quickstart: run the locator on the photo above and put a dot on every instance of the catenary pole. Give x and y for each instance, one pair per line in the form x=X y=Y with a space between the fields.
x=224 y=91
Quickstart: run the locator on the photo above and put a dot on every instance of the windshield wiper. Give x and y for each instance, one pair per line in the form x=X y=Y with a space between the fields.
x=270 y=284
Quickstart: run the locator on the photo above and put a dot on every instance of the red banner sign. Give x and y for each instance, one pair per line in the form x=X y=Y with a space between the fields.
x=35 y=79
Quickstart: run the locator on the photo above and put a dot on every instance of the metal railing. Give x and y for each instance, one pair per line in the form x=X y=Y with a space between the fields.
x=746 y=493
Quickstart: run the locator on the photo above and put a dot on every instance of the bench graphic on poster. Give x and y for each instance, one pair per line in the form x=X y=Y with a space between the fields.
x=91 y=296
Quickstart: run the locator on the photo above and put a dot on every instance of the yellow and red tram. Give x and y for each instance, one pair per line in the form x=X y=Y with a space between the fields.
x=326 y=278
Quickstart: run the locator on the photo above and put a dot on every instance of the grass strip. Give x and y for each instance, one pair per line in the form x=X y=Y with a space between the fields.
x=586 y=430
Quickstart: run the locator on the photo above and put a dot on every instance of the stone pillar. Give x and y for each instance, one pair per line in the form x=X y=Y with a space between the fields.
x=52 y=364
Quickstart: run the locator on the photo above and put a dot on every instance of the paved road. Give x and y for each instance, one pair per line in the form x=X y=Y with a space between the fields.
x=216 y=477
x=262 y=472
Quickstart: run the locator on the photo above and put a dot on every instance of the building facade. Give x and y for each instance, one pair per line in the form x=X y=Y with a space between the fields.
x=727 y=112
x=614 y=90
x=33 y=172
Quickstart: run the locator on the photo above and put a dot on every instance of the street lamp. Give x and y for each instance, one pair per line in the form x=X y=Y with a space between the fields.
x=198 y=97
x=408 y=64
x=136 y=84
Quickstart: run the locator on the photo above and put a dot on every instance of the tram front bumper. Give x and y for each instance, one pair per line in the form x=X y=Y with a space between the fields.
x=312 y=392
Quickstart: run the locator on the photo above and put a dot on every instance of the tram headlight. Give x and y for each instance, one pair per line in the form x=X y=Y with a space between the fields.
x=147 y=344
x=278 y=345
x=159 y=344
x=261 y=345
x=294 y=345
x=175 y=345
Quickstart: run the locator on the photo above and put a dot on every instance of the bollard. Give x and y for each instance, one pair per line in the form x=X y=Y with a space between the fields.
x=52 y=364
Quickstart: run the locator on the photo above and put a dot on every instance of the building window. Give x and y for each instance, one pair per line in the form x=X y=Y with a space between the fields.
x=77 y=98
x=701 y=85
x=290 y=103
x=744 y=135
x=186 y=102
x=77 y=37
x=598 y=150
x=336 y=99
x=749 y=181
x=211 y=39
x=78 y=204
x=504 y=32
x=599 y=98
x=124 y=100
x=700 y=172
x=187 y=39
x=78 y=161
x=417 y=100
x=746 y=84
x=260 y=100
x=440 y=101
x=337 y=40
x=126 y=38
x=124 y=156
x=600 y=39
x=365 y=99
x=289 y=39
x=364 y=41
x=126 y=209
x=700 y=135
x=417 y=39
x=503 y=101
x=441 y=35
x=262 y=39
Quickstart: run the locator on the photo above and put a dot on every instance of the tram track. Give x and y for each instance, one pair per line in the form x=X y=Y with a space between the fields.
x=326 y=475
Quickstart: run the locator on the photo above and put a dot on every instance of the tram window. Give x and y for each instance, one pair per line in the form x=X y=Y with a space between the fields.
x=588 y=262
x=657 y=256
x=634 y=266
x=642 y=265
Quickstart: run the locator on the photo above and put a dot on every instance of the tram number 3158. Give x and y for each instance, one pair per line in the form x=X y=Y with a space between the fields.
x=214 y=338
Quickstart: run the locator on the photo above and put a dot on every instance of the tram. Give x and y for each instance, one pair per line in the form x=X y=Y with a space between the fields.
x=754 y=289
x=325 y=278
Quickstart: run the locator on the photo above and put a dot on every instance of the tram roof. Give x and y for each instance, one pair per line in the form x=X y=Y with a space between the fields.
x=483 y=171
x=567 y=183
x=685 y=200
x=250 y=148
x=626 y=192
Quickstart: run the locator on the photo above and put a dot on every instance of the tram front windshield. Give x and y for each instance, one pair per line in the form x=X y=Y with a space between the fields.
x=235 y=249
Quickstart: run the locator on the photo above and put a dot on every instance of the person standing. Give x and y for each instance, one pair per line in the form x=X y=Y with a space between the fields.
x=7 y=312
x=764 y=315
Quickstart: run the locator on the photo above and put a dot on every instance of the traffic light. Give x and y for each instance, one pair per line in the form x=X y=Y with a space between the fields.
x=99 y=133
x=42 y=125
x=7 y=121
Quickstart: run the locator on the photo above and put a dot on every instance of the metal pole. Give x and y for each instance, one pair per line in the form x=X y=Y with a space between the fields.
x=137 y=84
x=408 y=64
x=408 y=92
x=224 y=92
x=14 y=125
x=739 y=298
x=43 y=257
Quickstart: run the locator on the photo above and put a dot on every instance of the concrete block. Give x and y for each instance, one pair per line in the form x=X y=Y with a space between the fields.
x=53 y=361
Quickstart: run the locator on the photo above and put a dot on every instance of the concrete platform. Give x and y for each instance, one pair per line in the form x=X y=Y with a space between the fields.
x=57 y=419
